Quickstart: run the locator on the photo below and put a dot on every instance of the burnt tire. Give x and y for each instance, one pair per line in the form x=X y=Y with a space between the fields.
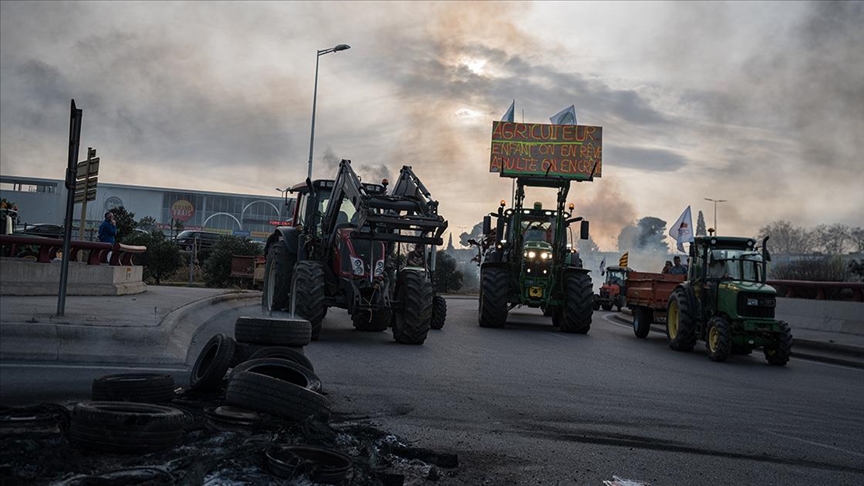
x=494 y=288
x=267 y=394
x=126 y=428
x=276 y=290
x=372 y=321
x=439 y=312
x=680 y=322
x=282 y=352
x=133 y=387
x=212 y=363
x=578 y=307
x=282 y=369
x=273 y=331
x=413 y=316
x=307 y=294
x=642 y=319
x=718 y=339
x=778 y=352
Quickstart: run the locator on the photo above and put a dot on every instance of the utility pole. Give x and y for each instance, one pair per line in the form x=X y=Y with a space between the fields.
x=715 y=201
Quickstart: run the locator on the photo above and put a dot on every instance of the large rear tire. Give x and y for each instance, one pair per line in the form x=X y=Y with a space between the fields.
x=578 y=307
x=439 y=312
x=719 y=339
x=642 y=318
x=778 y=352
x=494 y=288
x=307 y=294
x=680 y=322
x=277 y=278
x=414 y=315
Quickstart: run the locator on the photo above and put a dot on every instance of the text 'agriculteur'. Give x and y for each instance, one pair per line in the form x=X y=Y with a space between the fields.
x=528 y=149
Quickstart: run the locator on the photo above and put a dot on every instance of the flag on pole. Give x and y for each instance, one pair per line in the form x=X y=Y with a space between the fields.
x=682 y=230
x=603 y=265
x=623 y=261
x=567 y=116
x=508 y=117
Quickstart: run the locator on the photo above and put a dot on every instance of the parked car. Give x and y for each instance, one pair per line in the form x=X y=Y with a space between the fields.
x=46 y=230
x=205 y=241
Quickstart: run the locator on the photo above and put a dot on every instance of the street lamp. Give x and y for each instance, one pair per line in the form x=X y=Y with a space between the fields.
x=340 y=47
x=715 y=201
x=284 y=203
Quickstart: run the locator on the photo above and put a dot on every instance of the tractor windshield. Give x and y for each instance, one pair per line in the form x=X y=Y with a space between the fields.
x=537 y=231
x=736 y=265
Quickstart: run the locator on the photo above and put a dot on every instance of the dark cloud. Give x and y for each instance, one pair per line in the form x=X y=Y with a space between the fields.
x=650 y=159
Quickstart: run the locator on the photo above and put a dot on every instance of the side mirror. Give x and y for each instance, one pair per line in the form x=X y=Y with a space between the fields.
x=583 y=230
x=487 y=224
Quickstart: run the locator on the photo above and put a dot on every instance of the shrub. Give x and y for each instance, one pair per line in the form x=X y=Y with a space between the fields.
x=162 y=257
x=217 y=267
x=447 y=278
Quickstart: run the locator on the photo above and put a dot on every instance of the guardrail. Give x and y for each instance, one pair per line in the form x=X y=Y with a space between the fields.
x=44 y=250
x=808 y=289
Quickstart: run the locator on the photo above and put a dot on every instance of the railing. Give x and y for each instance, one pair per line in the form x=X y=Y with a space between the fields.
x=807 y=289
x=44 y=250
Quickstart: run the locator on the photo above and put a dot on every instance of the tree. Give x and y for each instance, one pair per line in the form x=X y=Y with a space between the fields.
x=700 y=225
x=787 y=239
x=162 y=257
x=476 y=233
x=147 y=223
x=447 y=278
x=833 y=239
x=627 y=238
x=652 y=233
x=217 y=267
x=857 y=235
x=125 y=224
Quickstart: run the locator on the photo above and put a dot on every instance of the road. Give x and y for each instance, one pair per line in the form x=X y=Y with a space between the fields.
x=529 y=405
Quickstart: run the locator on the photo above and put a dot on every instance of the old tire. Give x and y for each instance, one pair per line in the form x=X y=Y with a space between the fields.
x=374 y=321
x=413 y=316
x=642 y=319
x=282 y=352
x=244 y=351
x=439 y=312
x=133 y=387
x=126 y=428
x=778 y=352
x=578 y=309
x=282 y=369
x=212 y=363
x=718 y=339
x=307 y=294
x=273 y=331
x=277 y=278
x=680 y=322
x=267 y=394
x=494 y=288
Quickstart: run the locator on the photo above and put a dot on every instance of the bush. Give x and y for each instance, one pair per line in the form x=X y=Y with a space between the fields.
x=813 y=268
x=217 y=267
x=447 y=278
x=162 y=257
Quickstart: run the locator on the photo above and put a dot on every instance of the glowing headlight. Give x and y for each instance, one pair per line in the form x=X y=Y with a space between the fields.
x=379 y=268
x=545 y=255
x=357 y=266
x=532 y=254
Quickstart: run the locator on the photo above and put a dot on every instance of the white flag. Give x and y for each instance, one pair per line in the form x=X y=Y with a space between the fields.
x=567 y=116
x=682 y=230
x=508 y=117
x=603 y=265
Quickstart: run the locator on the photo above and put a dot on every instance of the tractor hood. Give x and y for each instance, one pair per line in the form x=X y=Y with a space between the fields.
x=744 y=286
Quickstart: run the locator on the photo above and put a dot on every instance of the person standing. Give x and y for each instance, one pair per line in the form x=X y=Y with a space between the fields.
x=666 y=267
x=677 y=268
x=108 y=229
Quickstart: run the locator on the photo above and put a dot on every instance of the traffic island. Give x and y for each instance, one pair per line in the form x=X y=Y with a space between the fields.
x=19 y=276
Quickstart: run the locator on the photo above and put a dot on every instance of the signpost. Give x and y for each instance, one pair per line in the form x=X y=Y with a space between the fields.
x=559 y=151
x=71 y=168
x=85 y=185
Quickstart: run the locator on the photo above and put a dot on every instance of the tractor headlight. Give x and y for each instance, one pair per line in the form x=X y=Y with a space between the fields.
x=379 y=268
x=753 y=302
x=545 y=255
x=532 y=254
x=357 y=266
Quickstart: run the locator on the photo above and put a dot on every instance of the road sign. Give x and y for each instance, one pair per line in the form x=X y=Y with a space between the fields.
x=80 y=194
x=87 y=168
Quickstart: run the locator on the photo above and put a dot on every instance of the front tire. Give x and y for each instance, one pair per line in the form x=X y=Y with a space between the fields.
x=493 y=297
x=276 y=289
x=642 y=319
x=412 y=319
x=439 y=312
x=307 y=294
x=578 y=306
x=719 y=339
x=778 y=352
x=680 y=323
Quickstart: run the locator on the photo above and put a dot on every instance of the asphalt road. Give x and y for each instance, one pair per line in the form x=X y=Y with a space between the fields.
x=527 y=404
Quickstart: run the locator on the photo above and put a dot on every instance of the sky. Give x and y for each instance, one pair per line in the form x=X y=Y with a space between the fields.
x=757 y=103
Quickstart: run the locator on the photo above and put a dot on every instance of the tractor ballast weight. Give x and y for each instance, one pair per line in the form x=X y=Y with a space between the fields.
x=339 y=251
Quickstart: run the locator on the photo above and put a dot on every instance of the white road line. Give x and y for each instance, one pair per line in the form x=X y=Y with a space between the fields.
x=785 y=436
x=88 y=367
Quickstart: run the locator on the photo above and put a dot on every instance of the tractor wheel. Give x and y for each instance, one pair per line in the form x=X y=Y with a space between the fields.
x=439 y=312
x=412 y=319
x=577 y=310
x=493 y=297
x=596 y=305
x=642 y=318
x=307 y=294
x=375 y=321
x=778 y=352
x=719 y=339
x=277 y=278
x=606 y=307
x=680 y=323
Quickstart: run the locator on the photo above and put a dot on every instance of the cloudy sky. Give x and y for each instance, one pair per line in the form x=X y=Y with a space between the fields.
x=761 y=104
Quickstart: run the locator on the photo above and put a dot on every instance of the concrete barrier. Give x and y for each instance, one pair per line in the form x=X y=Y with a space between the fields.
x=822 y=315
x=19 y=276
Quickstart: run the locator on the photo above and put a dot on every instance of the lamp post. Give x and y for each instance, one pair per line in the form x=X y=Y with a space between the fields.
x=340 y=47
x=284 y=203
x=715 y=201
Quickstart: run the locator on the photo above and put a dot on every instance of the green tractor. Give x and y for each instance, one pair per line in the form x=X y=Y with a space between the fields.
x=530 y=263
x=726 y=302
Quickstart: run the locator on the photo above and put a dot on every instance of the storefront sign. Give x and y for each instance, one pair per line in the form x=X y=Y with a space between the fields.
x=182 y=210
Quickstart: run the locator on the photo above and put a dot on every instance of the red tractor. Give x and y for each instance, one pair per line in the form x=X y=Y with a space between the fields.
x=614 y=289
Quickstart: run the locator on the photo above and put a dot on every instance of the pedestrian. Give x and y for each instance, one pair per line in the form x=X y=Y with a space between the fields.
x=666 y=267
x=108 y=228
x=677 y=268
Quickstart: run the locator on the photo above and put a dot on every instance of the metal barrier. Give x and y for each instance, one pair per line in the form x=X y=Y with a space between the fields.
x=44 y=250
x=808 y=289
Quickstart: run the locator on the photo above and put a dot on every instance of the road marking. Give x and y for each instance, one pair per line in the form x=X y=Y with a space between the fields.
x=815 y=443
x=89 y=367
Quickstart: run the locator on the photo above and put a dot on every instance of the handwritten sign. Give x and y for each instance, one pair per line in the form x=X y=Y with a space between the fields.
x=529 y=149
